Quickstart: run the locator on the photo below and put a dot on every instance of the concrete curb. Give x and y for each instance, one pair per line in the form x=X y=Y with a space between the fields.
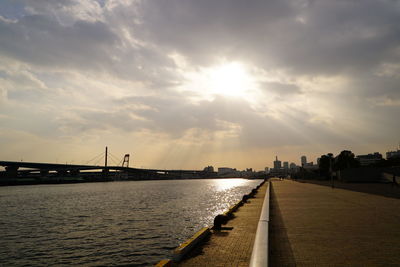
x=164 y=263
x=185 y=247
x=259 y=256
x=233 y=208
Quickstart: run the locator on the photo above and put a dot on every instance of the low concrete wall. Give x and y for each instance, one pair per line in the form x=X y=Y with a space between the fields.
x=259 y=256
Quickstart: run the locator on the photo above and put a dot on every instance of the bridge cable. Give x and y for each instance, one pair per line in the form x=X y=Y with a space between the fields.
x=113 y=158
x=99 y=155
x=99 y=160
x=119 y=162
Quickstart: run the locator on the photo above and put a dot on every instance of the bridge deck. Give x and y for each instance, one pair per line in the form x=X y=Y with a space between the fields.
x=57 y=166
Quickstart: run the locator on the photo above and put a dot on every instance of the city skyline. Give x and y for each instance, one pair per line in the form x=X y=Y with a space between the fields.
x=187 y=84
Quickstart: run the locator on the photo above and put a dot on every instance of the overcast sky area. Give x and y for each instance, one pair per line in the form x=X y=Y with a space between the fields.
x=185 y=84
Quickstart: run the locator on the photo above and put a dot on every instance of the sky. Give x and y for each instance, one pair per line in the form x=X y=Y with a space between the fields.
x=183 y=84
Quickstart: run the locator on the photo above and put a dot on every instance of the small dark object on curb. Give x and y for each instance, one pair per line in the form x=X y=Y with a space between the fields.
x=253 y=192
x=219 y=220
x=245 y=198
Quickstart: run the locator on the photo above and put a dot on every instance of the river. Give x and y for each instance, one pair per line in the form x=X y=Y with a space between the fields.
x=132 y=223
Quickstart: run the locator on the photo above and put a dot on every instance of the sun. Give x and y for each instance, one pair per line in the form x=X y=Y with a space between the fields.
x=230 y=79
x=227 y=79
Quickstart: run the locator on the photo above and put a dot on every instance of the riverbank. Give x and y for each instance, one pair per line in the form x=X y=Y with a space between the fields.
x=75 y=180
x=233 y=244
x=310 y=225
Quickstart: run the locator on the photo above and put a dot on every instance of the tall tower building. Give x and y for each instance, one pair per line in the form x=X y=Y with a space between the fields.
x=277 y=164
x=303 y=161
x=286 y=165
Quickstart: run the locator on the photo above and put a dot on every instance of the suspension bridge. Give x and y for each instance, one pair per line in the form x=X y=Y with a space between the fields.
x=92 y=170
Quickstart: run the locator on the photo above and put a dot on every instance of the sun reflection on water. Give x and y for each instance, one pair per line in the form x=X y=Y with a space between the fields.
x=225 y=184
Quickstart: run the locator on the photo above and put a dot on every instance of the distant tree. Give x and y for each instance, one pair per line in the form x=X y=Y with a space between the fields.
x=324 y=164
x=346 y=160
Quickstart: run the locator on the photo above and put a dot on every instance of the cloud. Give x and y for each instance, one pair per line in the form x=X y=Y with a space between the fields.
x=3 y=94
x=280 y=89
x=177 y=118
x=40 y=40
x=324 y=72
x=385 y=101
x=335 y=36
x=85 y=45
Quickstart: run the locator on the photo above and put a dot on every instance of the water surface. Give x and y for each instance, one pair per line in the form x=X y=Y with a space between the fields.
x=135 y=223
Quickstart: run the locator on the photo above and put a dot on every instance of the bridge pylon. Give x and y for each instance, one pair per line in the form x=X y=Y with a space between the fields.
x=125 y=162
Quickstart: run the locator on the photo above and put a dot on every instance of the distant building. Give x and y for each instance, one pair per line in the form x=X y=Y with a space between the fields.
x=393 y=154
x=224 y=170
x=266 y=169
x=293 y=168
x=286 y=165
x=228 y=172
x=303 y=160
x=277 y=164
x=248 y=172
x=208 y=169
x=369 y=159
x=310 y=166
x=278 y=170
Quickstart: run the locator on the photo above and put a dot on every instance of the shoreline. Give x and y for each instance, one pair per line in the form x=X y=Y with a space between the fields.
x=70 y=180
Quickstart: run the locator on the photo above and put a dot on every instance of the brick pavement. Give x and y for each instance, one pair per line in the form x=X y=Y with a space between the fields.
x=231 y=247
x=313 y=225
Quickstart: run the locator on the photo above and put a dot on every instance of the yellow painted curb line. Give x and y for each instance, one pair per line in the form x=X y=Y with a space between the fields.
x=164 y=263
x=185 y=247
x=233 y=208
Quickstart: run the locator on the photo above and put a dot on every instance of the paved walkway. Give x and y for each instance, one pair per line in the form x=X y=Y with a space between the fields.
x=382 y=189
x=231 y=248
x=313 y=225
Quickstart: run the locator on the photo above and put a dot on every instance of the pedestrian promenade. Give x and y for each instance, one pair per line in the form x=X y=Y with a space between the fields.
x=314 y=225
x=231 y=247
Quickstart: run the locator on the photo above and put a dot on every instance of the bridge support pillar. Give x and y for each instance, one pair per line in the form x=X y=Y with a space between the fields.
x=105 y=173
x=62 y=173
x=11 y=172
x=74 y=172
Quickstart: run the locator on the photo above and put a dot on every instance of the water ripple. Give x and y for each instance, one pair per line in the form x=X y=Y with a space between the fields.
x=108 y=224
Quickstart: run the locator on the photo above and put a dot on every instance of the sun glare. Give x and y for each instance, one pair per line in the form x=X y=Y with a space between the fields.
x=229 y=80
